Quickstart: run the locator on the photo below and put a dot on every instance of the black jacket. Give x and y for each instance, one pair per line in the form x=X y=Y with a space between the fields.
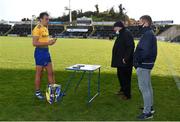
x=123 y=49
x=146 y=50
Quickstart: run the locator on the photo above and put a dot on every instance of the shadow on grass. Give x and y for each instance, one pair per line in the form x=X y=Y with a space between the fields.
x=18 y=103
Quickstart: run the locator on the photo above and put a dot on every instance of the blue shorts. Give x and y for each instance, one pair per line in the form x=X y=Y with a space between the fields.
x=42 y=56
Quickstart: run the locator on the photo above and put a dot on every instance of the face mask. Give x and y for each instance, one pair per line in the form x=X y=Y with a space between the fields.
x=140 y=26
x=117 y=32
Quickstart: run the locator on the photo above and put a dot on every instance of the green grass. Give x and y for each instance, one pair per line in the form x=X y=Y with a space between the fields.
x=17 y=70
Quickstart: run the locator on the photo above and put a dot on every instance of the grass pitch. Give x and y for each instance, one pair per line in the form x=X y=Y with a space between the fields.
x=17 y=71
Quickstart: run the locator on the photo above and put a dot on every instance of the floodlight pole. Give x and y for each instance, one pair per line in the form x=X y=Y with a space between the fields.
x=70 y=14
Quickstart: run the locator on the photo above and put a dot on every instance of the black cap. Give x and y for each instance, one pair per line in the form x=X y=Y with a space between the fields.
x=119 y=24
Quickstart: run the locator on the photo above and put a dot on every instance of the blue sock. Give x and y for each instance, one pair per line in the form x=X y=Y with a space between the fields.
x=39 y=95
x=38 y=92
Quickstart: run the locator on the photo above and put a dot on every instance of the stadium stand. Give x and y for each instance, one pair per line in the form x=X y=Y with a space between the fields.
x=85 y=29
x=21 y=29
x=77 y=31
x=176 y=39
x=55 y=30
x=135 y=31
x=69 y=31
x=103 y=31
x=162 y=28
x=171 y=34
x=25 y=29
x=4 y=28
x=107 y=31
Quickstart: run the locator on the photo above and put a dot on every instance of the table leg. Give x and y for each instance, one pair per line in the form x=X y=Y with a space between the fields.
x=89 y=86
x=68 y=82
x=99 y=75
x=90 y=99
x=82 y=76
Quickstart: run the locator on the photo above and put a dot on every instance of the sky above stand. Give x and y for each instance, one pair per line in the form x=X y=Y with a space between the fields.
x=15 y=10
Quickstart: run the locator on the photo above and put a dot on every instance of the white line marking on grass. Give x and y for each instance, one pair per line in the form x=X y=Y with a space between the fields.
x=171 y=69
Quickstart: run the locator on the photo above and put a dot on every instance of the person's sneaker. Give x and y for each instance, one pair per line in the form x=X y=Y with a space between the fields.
x=145 y=116
x=39 y=95
x=152 y=110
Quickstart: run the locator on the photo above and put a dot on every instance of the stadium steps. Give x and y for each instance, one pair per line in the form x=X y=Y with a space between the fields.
x=170 y=33
x=92 y=32
x=8 y=31
x=63 y=31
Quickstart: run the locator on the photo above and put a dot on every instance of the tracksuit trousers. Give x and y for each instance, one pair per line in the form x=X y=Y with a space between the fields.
x=124 y=76
x=144 y=83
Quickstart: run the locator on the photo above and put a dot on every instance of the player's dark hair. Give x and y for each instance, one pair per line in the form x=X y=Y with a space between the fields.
x=147 y=18
x=42 y=14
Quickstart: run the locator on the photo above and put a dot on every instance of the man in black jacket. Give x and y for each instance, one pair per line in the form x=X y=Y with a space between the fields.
x=122 y=58
x=144 y=59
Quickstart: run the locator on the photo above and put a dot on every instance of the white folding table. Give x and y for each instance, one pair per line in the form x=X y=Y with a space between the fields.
x=84 y=68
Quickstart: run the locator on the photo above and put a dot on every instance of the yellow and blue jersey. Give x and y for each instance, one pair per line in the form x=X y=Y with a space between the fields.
x=41 y=54
x=41 y=32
